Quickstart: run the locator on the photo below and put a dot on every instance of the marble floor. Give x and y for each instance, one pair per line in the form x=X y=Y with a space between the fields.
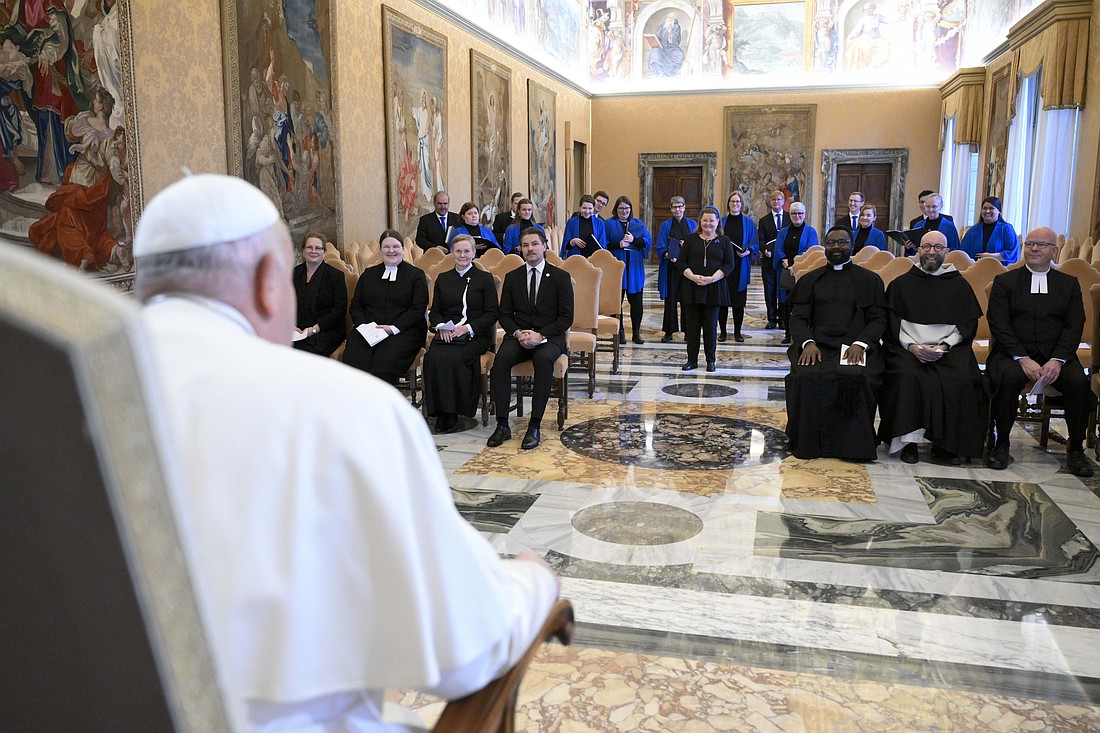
x=720 y=584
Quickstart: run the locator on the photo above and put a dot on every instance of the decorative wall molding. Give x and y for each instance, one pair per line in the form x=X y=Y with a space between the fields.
x=898 y=158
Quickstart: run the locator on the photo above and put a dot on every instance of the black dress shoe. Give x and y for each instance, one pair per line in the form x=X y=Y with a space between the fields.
x=501 y=434
x=530 y=439
x=638 y=340
x=909 y=453
x=711 y=367
x=738 y=338
x=722 y=338
x=622 y=336
x=771 y=324
x=945 y=457
x=666 y=339
x=1077 y=464
x=786 y=340
x=690 y=366
x=998 y=458
x=441 y=424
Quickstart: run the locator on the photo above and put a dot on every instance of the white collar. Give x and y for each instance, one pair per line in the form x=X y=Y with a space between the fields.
x=1040 y=274
x=389 y=272
x=218 y=307
x=537 y=269
x=842 y=265
x=462 y=273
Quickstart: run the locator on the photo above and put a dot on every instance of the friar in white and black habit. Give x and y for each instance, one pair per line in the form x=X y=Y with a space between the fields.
x=837 y=320
x=465 y=298
x=932 y=389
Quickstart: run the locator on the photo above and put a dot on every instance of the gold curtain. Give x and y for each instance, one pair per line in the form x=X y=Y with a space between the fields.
x=1060 y=50
x=963 y=98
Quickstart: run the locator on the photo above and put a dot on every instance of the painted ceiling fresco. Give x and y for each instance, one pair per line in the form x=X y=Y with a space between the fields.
x=610 y=46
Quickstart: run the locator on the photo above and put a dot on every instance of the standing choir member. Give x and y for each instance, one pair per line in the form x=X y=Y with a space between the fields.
x=393 y=295
x=769 y=227
x=741 y=231
x=524 y=211
x=837 y=320
x=465 y=298
x=705 y=259
x=505 y=218
x=630 y=241
x=322 y=300
x=935 y=221
x=932 y=390
x=483 y=238
x=790 y=242
x=992 y=237
x=867 y=234
x=584 y=232
x=670 y=237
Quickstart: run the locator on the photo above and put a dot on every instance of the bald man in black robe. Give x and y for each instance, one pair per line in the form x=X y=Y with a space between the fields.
x=932 y=389
x=837 y=320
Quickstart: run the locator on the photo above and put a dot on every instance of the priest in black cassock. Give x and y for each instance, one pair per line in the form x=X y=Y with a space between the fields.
x=464 y=318
x=837 y=319
x=932 y=389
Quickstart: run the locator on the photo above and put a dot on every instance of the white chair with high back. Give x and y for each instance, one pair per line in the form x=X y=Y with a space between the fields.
x=586 y=308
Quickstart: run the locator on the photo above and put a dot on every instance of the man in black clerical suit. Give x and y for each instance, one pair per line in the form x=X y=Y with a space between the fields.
x=851 y=219
x=768 y=227
x=932 y=390
x=837 y=319
x=1036 y=315
x=431 y=230
x=536 y=311
x=504 y=219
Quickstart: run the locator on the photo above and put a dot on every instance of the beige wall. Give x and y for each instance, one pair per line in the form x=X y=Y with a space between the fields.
x=180 y=103
x=623 y=127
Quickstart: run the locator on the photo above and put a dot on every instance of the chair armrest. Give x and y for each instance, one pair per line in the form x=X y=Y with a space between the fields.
x=492 y=709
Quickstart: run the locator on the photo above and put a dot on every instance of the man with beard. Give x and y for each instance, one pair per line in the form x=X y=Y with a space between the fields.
x=837 y=319
x=932 y=389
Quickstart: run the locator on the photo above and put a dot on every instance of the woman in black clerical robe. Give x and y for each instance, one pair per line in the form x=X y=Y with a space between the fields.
x=465 y=298
x=705 y=258
x=394 y=296
x=322 y=301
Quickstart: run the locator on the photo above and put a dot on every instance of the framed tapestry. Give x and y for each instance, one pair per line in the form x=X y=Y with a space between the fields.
x=997 y=134
x=491 y=123
x=281 y=109
x=88 y=219
x=415 y=78
x=767 y=149
x=542 y=151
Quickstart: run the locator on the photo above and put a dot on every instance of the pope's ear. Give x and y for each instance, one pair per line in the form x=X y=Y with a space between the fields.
x=266 y=286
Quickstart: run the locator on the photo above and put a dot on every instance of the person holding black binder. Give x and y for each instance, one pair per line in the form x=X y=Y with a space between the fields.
x=670 y=237
x=705 y=259
x=483 y=237
x=629 y=240
x=584 y=232
x=741 y=231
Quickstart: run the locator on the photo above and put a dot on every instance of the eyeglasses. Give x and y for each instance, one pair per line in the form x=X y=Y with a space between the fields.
x=797 y=213
x=932 y=247
x=836 y=242
x=1039 y=245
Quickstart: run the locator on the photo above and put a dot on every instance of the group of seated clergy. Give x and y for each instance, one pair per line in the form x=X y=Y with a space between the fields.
x=908 y=350
x=388 y=311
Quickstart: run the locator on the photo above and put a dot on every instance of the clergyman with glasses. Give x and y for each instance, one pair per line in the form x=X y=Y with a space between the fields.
x=1036 y=316
x=932 y=389
x=837 y=319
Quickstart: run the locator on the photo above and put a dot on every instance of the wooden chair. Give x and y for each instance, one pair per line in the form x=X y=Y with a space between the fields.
x=553 y=257
x=894 y=269
x=877 y=261
x=523 y=375
x=431 y=257
x=1087 y=276
x=810 y=263
x=507 y=263
x=442 y=264
x=810 y=251
x=1067 y=251
x=586 y=310
x=1086 y=251
x=490 y=258
x=864 y=254
x=980 y=278
x=961 y=260
x=610 y=320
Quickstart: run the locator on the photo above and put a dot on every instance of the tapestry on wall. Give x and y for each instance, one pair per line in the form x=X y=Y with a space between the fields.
x=491 y=122
x=997 y=135
x=415 y=78
x=541 y=151
x=69 y=169
x=768 y=149
x=279 y=87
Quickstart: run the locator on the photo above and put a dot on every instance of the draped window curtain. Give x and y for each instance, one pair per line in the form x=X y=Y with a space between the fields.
x=958 y=178
x=1042 y=152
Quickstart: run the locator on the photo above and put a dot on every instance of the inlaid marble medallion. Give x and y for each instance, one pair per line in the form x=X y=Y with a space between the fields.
x=675 y=441
x=637 y=523
x=699 y=390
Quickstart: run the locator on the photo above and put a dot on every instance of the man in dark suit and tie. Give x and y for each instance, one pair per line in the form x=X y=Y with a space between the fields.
x=1036 y=316
x=851 y=219
x=536 y=311
x=768 y=226
x=431 y=230
x=504 y=219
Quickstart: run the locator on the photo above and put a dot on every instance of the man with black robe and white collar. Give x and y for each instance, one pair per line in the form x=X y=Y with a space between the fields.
x=837 y=320
x=1036 y=316
x=932 y=389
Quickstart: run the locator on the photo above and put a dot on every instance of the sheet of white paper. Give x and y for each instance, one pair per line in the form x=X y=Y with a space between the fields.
x=448 y=326
x=371 y=332
x=299 y=335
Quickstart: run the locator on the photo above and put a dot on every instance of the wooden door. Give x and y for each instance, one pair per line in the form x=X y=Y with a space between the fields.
x=686 y=181
x=873 y=180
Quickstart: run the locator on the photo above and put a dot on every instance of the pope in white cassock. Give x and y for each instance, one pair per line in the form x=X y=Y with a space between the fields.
x=328 y=558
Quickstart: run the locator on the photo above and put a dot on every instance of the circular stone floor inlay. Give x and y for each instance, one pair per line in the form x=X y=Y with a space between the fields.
x=699 y=390
x=637 y=523
x=672 y=441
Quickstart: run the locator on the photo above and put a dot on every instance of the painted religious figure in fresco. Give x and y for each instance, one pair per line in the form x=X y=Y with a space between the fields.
x=665 y=55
